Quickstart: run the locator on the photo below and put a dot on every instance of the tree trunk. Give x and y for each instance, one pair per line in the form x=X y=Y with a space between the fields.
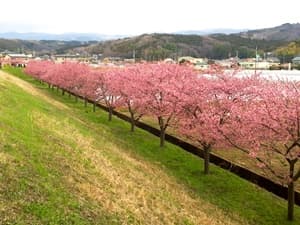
x=57 y=89
x=69 y=95
x=63 y=92
x=162 y=137
x=85 y=102
x=109 y=113
x=94 y=107
x=162 y=131
x=49 y=85
x=132 y=122
x=291 y=201
x=132 y=126
x=291 y=192
x=206 y=154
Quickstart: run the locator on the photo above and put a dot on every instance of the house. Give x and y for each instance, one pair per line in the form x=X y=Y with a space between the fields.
x=273 y=59
x=198 y=63
x=113 y=60
x=15 y=59
x=247 y=63
x=227 y=63
x=19 y=60
x=191 y=60
x=252 y=63
x=169 y=60
x=67 y=57
x=296 y=60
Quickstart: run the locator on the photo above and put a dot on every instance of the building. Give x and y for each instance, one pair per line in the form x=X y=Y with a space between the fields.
x=68 y=57
x=15 y=59
x=169 y=60
x=227 y=63
x=252 y=63
x=198 y=63
x=273 y=59
x=296 y=60
x=247 y=63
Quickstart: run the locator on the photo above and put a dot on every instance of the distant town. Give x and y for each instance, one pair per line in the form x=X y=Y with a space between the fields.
x=259 y=63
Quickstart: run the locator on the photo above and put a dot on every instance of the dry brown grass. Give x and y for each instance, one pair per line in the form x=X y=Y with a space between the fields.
x=30 y=89
x=5 y=158
x=137 y=191
x=8 y=209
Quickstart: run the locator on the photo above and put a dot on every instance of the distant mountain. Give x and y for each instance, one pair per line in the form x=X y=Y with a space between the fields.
x=160 y=46
x=284 y=32
x=59 y=37
x=211 y=31
x=40 y=47
x=216 y=44
x=151 y=46
x=281 y=40
x=98 y=37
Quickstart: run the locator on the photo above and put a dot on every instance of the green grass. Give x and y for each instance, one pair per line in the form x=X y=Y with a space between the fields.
x=34 y=187
x=32 y=190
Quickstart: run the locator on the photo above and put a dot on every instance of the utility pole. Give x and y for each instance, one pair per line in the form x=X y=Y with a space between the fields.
x=255 y=60
x=133 y=55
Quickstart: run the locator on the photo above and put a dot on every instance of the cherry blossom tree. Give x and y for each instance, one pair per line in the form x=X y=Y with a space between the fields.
x=106 y=90
x=162 y=88
x=129 y=84
x=196 y=121
x=70 y=76
x=261 y=117
x=39 y=69
x=208 y=106
x=270 y=131
x=93 y=80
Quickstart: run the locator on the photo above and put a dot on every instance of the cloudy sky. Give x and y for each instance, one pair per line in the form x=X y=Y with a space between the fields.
x=141 y=16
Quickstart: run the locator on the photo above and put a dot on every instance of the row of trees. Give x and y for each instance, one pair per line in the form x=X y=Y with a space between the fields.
x=215 y=109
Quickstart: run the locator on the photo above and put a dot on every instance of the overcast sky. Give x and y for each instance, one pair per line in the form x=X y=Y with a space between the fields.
x=141 y=16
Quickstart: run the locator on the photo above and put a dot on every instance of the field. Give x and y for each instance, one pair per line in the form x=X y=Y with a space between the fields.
x=60 y=163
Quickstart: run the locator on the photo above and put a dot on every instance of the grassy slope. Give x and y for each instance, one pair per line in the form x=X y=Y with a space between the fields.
x=61 y=163
x=57 y=169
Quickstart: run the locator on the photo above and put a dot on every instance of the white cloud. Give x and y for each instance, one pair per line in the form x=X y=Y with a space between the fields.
x=135 y=17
